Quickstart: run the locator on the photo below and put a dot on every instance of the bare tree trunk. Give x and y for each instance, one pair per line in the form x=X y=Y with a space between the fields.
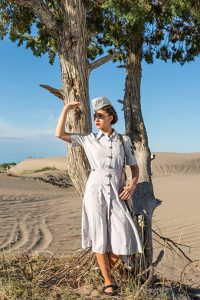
x=75 y=72
x=144 y=201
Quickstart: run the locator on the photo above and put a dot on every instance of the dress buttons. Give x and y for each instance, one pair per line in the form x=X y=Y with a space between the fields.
x=109 y=175
x=110 y=147
x=109 y=156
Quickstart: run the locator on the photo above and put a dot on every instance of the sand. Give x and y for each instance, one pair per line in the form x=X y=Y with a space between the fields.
x=36 y=216
x=34 y=164
x=176 y=181
x=39 y=217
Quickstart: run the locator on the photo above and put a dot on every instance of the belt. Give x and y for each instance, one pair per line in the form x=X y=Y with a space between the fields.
x=106 y=170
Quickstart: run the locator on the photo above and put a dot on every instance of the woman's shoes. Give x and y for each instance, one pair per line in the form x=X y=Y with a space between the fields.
x=114 y=292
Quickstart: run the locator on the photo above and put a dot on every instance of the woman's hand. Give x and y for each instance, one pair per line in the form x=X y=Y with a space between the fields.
x=126 y=191
x=72 y=105
x=60 y=129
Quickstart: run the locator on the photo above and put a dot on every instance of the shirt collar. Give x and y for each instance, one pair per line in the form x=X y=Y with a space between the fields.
x=113 y=136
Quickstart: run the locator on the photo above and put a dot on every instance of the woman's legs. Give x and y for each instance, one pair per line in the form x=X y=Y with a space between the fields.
x=106 y=262
x=113 y=259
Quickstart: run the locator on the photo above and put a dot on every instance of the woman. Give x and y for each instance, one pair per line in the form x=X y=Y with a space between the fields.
x=107 y=225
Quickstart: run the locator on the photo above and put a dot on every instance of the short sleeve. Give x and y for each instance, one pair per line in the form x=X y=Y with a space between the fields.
x=78 y=139
x=130 y=156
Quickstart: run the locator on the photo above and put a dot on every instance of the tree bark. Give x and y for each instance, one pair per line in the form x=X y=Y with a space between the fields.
x=72 y=41
x=41 y=10
x=72 y=47
x=144 y=201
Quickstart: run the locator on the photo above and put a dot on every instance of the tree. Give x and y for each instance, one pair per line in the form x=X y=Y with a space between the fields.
x=169 y=33
x=147 y=30
x=59 y=27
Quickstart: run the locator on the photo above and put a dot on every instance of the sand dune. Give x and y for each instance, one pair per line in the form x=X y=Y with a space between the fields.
x=176 y=163
x=176 y=181
x=32 y=164
x=164 y=164
x=36 y=216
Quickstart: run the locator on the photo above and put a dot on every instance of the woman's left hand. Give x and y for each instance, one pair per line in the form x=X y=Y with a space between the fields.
x=126 y=192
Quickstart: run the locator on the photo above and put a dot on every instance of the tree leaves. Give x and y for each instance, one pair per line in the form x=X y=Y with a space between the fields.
x=24 y=28
x=170 y=28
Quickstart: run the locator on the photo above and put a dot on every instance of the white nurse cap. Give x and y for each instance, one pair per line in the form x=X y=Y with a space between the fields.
x=100 y=102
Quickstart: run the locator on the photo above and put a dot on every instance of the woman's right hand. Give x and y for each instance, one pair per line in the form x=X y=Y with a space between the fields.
x=72 y=105
x=60 y=129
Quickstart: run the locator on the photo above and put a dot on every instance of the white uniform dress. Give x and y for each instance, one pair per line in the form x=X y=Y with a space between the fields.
x=107 y=225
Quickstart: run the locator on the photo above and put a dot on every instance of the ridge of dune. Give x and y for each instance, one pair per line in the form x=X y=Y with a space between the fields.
x=169 y=163
x=165 y=163
x=33 y=164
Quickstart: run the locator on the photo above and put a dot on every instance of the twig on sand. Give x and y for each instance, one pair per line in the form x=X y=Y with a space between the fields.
x=177 y=246
x=190 y=263
x=68 y=271
x=149 y=279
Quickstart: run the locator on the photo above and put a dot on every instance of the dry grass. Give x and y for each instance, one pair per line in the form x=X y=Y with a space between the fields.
x=49 y=277
x=24 y=172
x=37 y=277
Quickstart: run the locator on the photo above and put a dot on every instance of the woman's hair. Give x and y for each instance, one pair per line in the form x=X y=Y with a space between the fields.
x=111 y=111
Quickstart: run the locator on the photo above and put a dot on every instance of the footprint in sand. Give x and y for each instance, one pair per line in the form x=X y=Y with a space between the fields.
x=17 y=237
x=25 y=237
x=41 y=237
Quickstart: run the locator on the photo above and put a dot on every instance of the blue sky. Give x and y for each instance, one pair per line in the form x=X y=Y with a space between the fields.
x=28 y=114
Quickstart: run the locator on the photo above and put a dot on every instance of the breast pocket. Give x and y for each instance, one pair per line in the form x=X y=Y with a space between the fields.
x=118 y=154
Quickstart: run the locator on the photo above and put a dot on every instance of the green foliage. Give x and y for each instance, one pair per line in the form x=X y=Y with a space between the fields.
x=169 y=29
x=195 y=9
x=22 y=26
x=94 y=49
x=4 y=166
x=174 y=34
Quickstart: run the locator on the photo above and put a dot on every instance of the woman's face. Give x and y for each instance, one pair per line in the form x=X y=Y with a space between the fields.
x=102 y=119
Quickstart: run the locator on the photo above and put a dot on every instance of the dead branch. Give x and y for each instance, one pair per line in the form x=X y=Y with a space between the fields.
x=149 y=279
x=101 y=61
x=121 y=66
x=187 y=265
x=68 y=271
x=56 y=92
x=176 y=245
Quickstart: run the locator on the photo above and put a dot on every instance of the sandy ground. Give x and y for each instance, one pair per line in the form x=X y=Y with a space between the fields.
x=176 y=180
x=37 y=217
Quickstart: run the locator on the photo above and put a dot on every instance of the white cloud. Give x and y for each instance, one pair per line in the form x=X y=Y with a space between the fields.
x=10 y=131
x=46 y=115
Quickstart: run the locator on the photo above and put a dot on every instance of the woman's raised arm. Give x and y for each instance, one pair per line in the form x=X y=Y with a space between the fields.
x=60 y=129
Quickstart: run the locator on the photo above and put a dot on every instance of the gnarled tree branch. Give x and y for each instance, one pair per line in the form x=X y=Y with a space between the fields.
x=42 y=12
x=56 y=92
x=99 y=62
x=121 y=66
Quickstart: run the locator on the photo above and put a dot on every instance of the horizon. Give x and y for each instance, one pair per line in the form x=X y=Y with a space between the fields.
x=56 y=156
